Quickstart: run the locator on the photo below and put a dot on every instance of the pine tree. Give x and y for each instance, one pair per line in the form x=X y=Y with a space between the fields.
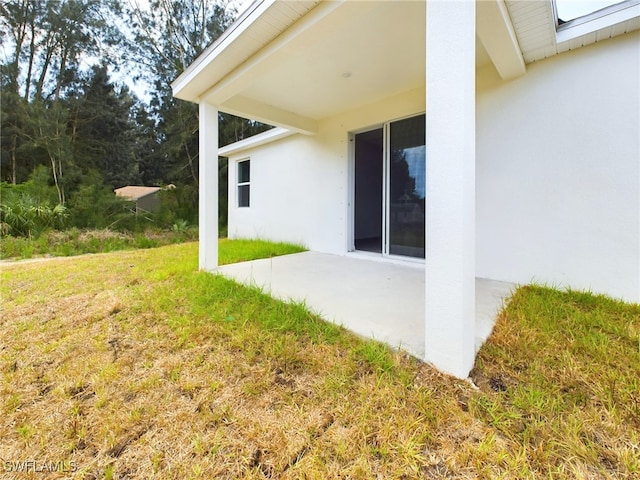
x=104 y=131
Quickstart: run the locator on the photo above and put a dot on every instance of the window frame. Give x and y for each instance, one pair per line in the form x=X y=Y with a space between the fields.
x=594 y=21
x=240 y=184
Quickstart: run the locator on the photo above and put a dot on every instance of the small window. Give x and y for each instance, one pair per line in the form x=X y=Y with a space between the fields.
x=244 y=178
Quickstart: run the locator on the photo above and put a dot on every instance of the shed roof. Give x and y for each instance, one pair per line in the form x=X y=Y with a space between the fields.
x=135 y=192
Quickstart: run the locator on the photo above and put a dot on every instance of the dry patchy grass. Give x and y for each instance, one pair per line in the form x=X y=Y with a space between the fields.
x=135 y=365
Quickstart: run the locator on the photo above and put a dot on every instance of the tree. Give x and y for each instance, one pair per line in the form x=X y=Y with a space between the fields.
x=167 y=39
x=19 y=22
x=78 y=124
x=12 y=121
x=46 y=129
x=46 y=40
x=104 y=132
x=147 y=147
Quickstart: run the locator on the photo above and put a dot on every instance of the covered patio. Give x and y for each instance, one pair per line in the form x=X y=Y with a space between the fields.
x=304 y=67
x=372 y=298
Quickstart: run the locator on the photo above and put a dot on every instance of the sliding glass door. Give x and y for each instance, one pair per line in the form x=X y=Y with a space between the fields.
x=390 y=188
x=407 y=187
x=369 y=187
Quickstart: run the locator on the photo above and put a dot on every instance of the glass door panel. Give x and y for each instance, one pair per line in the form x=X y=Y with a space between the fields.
x=369 y=190
x=407 y=187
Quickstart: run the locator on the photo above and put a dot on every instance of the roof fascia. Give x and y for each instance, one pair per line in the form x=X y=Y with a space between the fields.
x=151 y=191
x=255 y=141
x=251 y=15
x=244 y=75
x=496 y=32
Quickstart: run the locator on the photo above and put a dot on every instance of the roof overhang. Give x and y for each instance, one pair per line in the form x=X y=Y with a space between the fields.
x=292 y=64
x=255 y=141
x=495 y=31
x=248 y=34
x=536 y=27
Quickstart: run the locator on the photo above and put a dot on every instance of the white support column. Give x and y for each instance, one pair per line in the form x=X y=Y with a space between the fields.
x=208 y=187
x=450 y=215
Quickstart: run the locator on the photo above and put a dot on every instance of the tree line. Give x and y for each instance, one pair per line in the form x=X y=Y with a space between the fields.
x=71 y=128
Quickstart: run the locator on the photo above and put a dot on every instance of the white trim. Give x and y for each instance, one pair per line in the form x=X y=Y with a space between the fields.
x=208 y=187
x=351 y=193
x=413 y=262
x=248 y=108
x=495 y=31
x=242 y=184
x=255 y=141
x=386 y=187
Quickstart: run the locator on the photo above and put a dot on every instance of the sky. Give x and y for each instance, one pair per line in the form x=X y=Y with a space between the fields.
x=140 y=88
x=241 y=5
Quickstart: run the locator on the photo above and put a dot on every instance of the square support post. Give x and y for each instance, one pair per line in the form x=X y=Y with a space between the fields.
x=208 y=187
x=450 y=212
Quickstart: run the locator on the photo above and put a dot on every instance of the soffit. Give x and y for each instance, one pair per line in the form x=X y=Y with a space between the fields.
x=534 y=23
x=356 y=54
x=263 y=21
x=293 y=63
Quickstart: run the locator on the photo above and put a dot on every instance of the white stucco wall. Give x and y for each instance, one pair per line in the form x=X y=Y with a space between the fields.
x=300 y=184
x=558 y=171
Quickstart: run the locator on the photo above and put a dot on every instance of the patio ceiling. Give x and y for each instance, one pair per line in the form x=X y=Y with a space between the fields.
x=291 y=64
x=357 y=54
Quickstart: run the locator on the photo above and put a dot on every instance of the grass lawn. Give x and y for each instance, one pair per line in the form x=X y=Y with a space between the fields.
x=135 y=365
x=77 y=242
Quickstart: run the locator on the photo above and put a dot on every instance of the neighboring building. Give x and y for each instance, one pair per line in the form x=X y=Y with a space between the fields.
x=146 y=199
x=530 y=130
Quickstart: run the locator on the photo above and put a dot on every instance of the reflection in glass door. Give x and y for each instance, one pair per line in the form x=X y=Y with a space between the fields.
x=407 y=187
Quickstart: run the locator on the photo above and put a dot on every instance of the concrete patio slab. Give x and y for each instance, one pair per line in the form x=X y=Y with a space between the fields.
x=372 y=298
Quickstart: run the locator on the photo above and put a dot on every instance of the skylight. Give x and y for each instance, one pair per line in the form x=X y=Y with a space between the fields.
x=572 y=9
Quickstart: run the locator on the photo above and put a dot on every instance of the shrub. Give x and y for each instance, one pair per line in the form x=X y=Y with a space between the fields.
x=178 y=206
x=94 y=205
x=37 y=186
x=24 y=215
